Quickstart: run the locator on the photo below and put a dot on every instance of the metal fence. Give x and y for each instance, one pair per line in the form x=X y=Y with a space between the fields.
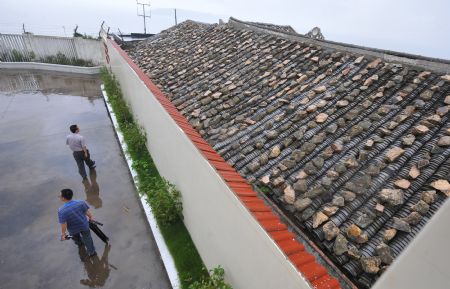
x=50 y=49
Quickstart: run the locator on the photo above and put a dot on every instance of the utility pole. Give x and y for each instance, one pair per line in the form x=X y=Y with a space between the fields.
x=143 y=13
x=175 y=16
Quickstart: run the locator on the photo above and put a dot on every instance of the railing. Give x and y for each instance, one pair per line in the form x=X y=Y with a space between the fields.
x=50 y=49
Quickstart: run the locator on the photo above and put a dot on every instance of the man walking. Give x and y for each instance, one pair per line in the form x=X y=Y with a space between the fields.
x=73 y=217
x=77 y=144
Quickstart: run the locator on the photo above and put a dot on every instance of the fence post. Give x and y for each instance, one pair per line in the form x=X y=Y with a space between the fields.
x=27 y=45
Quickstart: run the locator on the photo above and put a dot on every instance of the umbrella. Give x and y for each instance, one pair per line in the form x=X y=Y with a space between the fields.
x=93 y=225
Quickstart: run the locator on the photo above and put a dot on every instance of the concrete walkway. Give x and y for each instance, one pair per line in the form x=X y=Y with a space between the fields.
x=35 y=164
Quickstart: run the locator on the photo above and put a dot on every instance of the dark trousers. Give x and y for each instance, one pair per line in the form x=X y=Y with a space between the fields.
x=80 y=159
x=84 y=238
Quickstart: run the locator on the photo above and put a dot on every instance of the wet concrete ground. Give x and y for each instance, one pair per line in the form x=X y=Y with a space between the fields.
x=35 y=164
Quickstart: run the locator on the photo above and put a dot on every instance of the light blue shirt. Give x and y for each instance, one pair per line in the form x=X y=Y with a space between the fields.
x=75 y=142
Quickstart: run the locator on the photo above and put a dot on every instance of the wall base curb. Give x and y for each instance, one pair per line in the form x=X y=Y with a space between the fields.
x=167 y=259
x=50 y=67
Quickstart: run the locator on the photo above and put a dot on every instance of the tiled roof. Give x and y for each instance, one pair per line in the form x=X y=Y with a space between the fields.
x=317 y=275
x=355 y=150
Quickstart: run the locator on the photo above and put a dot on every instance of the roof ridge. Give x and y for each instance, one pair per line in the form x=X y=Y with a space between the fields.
x=271 y=26
x=184 y=23
x=423 y=62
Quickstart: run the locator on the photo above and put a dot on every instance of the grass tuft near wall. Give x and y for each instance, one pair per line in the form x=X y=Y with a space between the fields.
x=162 y=197
x=30 y=56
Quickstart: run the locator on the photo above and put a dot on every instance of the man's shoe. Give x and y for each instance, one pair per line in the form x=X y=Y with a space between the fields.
x=85 y=179
x=93 y=166
x=93 y=254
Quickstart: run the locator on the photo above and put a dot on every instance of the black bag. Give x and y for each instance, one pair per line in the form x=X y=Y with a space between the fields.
x=93 y=226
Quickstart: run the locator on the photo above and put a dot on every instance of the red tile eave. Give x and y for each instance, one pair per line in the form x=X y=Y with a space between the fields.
x=305 y=262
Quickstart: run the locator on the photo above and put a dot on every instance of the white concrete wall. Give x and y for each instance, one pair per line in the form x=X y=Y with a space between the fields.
x=49 y=45
x=42 y=46
x=89 y=49
x=223 y=230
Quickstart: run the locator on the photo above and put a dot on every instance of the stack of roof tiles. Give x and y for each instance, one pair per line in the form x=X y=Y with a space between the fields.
x=355 y=150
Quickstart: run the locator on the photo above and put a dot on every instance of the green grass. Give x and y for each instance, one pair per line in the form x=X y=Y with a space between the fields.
x=60 y=58
x=264 y=189
x=161 y=196
x=187 y=260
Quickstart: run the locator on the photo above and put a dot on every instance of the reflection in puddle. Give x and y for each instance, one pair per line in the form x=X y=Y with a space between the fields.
x=22 y=82
x=97 y=268
x=49 y=83
x=92 y=190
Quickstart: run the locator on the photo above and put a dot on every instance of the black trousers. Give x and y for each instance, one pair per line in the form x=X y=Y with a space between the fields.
x=80 y=159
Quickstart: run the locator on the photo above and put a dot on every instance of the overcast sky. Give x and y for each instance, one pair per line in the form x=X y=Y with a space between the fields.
x=414 y=26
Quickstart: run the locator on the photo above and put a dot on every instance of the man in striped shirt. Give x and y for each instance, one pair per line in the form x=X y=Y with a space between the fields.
x=74 y=217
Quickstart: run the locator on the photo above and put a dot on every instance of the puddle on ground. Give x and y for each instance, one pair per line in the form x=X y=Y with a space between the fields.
x=49 y=83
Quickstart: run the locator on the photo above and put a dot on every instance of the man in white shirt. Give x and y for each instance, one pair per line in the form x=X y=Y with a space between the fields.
x=77 y=144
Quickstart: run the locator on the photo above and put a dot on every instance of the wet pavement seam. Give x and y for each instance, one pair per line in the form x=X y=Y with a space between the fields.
x=7 y=107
